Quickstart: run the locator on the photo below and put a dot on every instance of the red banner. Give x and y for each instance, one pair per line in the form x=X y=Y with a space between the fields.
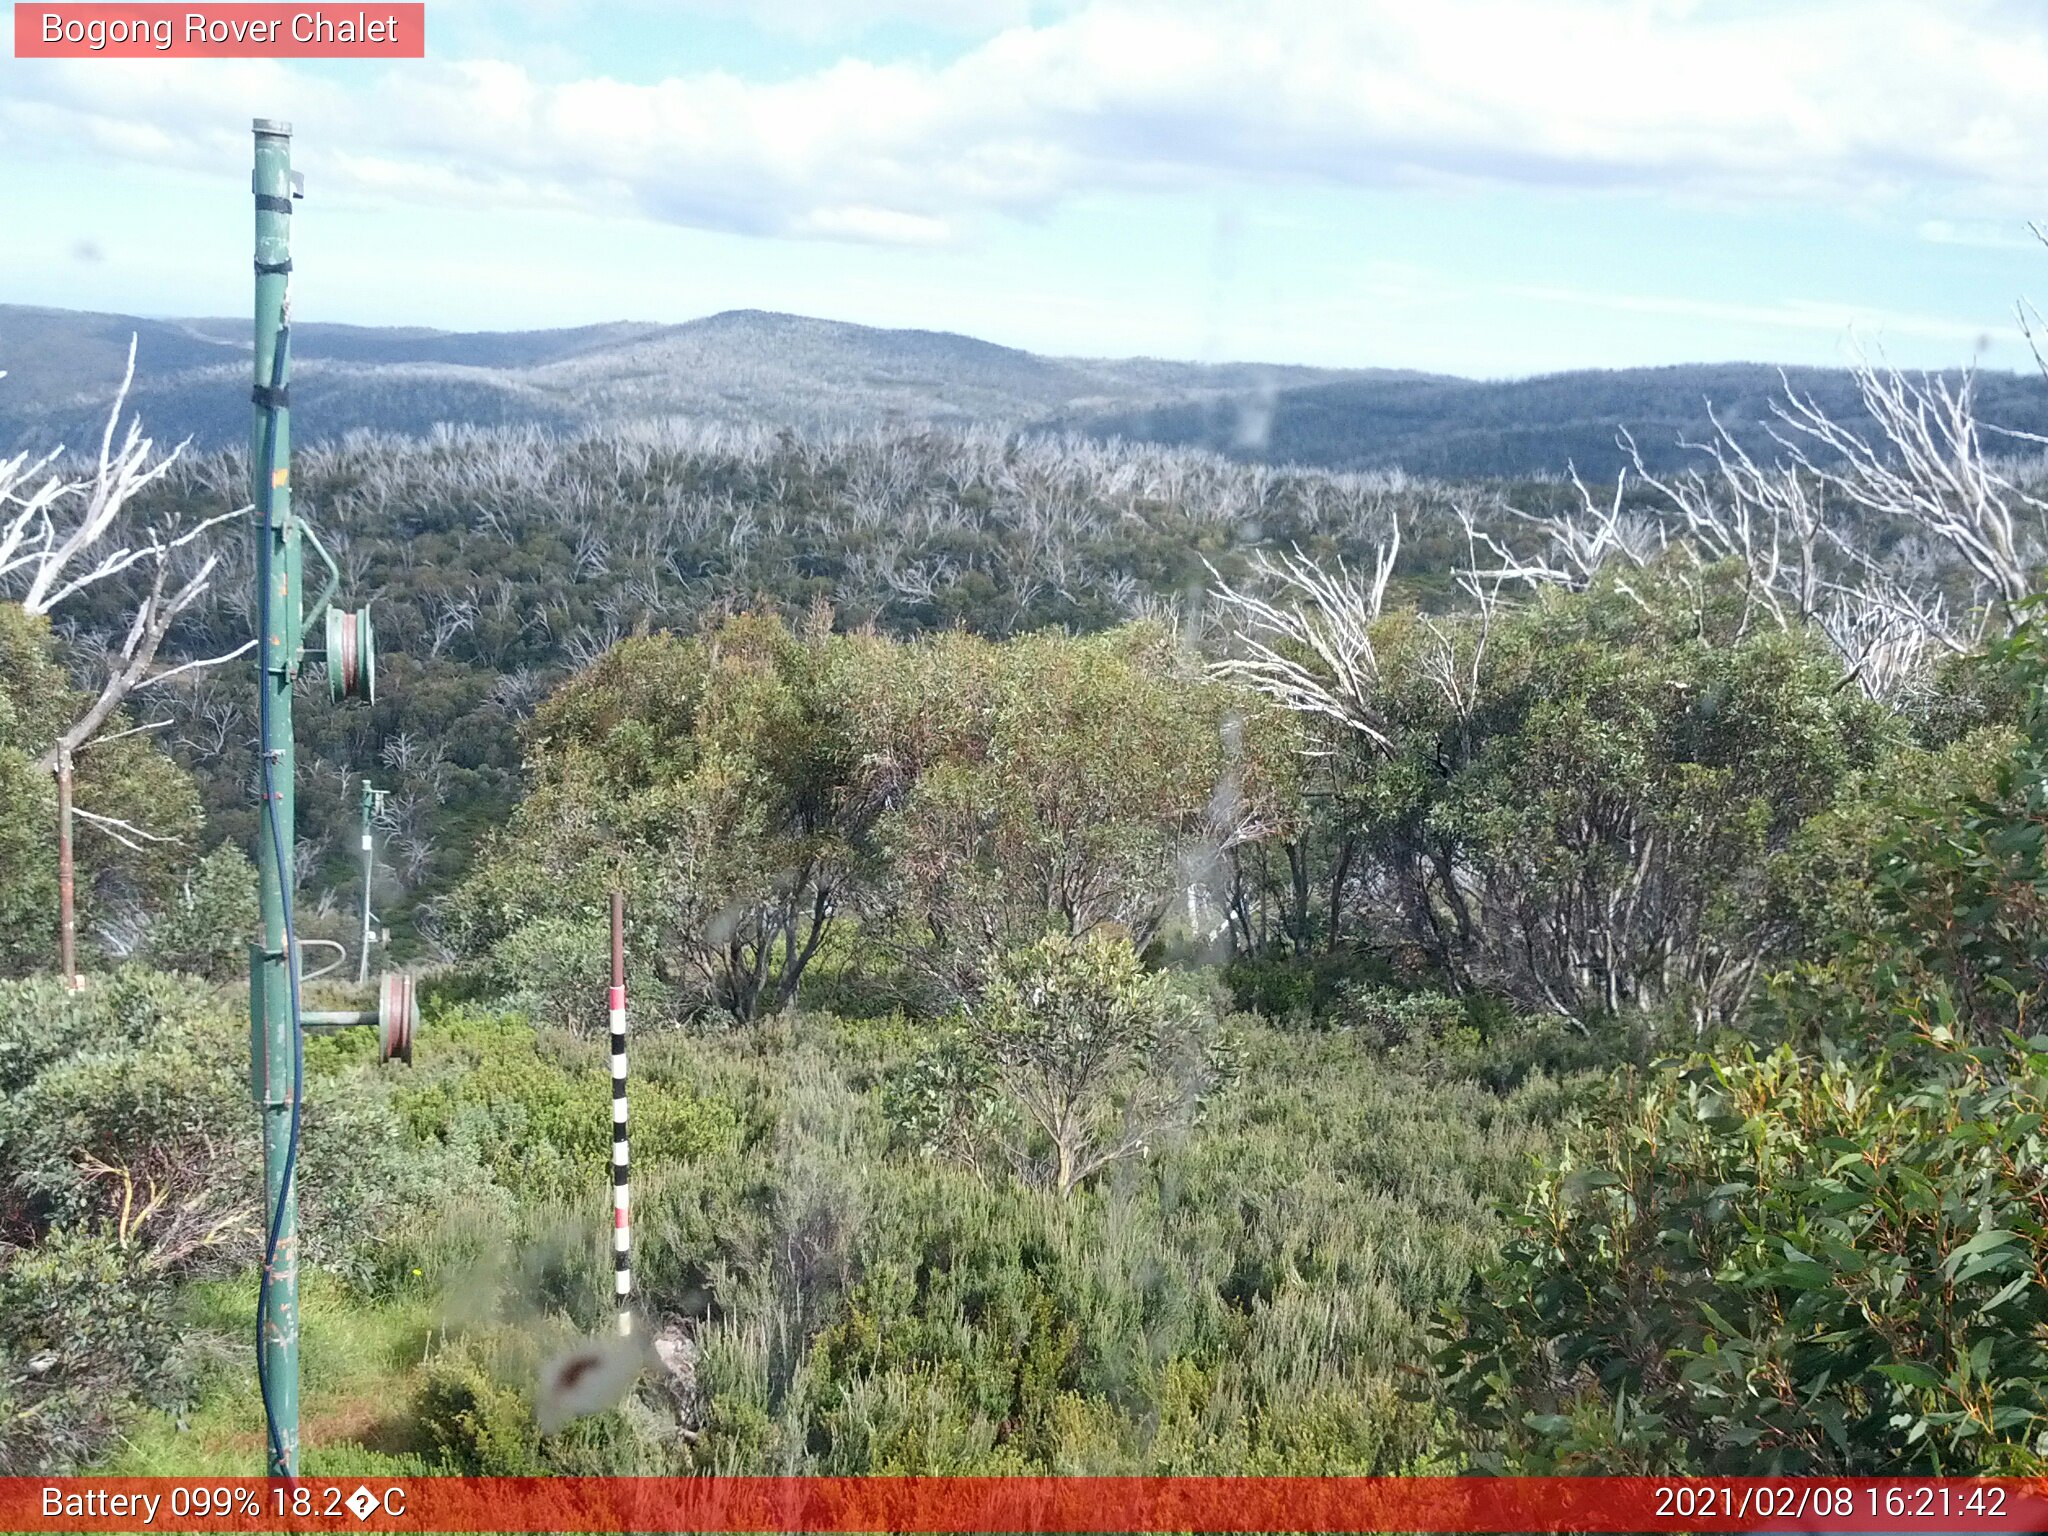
x=1054 y=1504
x=215 y=31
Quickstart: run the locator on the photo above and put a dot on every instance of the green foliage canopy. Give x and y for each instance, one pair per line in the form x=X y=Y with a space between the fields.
x=1779 y=1262
x=1582 y=801
x=751 y=787
x=1050 y=783
x=1072 y=1058
x=1829 y=1255
x=715 y=780
x=126 y=778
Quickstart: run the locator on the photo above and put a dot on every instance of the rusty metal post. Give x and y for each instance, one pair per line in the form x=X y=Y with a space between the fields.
x=67 y=873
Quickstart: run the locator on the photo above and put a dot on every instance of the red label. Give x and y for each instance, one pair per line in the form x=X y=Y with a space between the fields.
x=960 y=1505
x=374 y=31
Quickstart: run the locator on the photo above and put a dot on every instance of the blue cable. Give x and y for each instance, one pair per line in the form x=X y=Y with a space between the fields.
x=284 y=868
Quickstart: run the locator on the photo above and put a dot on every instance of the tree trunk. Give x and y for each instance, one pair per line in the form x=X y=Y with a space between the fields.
x=795 y=959
x=1297 y=871
x=1240 y=905
x=1344 y=858
x=67 y=906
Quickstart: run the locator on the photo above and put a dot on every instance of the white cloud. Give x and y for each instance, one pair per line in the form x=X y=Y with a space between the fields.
x=828 y=21
x=878 y=224
x=1994 y=235
x=1845 y=320
x=1853 y=102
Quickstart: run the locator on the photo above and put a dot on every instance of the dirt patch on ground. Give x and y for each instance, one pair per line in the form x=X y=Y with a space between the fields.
x=365 y=1421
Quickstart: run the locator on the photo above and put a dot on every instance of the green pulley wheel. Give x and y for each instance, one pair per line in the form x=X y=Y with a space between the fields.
x=351 y=655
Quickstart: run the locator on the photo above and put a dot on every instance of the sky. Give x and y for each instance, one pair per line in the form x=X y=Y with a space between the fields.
x=1485 y=187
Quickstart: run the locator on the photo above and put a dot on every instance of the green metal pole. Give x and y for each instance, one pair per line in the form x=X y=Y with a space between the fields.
x=273 y=1032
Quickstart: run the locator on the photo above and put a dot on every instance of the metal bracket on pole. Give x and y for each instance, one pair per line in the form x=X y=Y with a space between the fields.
x=340 y=954
x=333 y=573
x=270 y=1080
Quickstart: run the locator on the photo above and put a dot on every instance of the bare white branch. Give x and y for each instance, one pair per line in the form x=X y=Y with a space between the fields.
x=63 y=532
x=1310 y=649
x=193 y=666
x=133 y=730
x=122 y=832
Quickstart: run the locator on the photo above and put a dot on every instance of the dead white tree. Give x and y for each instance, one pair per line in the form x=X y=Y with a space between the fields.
x=1928 y=469
x=1309 y=647
x=921 y=581
x=66 y=529
x=450 y=615
x=1456 y=659
x=1805 y=532
x=584 y=646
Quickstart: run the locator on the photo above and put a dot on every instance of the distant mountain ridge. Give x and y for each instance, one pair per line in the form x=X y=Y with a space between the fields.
x=742 y=365
x=756 y=366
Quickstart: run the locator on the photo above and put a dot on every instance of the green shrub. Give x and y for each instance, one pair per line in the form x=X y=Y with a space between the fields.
x=127 y=1104
x=206 y=925
x=535 y=1110
x=1781 y=1262
x=1824 y=1257
x=42 y=1020
x=1392 y=1018
x=1255 y=1291
x=1961 y=885
x=555 y=969
x=131 y=1163
x=475 y=1424
x=1279 y=989
x=1483 y=1039
x=473 y=1412
x=86 y=1329
x=369 y=1190
x=1070 y=1060
x=1303 y=989
x=130 y=1109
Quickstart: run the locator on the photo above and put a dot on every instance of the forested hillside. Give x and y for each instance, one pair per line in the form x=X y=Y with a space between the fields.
x=745 y=368
x=1141 y=962
x=1469 y=427
x=497 y=562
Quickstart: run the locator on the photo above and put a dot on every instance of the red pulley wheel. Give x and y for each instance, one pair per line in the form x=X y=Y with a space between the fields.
x=396 y=1017
x=351 y=655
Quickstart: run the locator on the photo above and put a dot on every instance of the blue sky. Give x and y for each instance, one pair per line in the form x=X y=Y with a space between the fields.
x=1487 y=187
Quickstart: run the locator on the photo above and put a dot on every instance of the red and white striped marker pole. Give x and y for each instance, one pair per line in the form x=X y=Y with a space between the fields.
x=622 y=1217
